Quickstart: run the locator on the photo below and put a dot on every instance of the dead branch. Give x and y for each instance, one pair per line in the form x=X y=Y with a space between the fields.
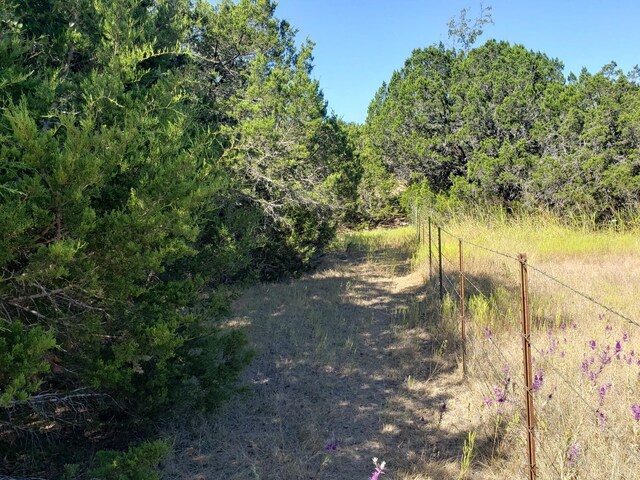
x=5 y=477
x=58 y=398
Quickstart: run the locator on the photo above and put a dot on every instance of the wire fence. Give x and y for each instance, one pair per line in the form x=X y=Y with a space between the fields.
x=554 y=370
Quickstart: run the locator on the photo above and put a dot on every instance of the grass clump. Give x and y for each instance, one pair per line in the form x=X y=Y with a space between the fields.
x=378 y=239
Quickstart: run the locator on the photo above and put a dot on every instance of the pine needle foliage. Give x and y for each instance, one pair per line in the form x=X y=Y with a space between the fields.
x=153 y=155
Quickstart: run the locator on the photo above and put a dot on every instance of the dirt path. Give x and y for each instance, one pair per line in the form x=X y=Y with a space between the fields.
x=345 y=370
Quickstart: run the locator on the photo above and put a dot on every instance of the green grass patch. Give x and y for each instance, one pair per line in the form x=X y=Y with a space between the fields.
x=543 y=236
x=403 y=238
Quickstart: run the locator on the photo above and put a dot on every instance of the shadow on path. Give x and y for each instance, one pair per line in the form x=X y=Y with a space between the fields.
x=345 y=370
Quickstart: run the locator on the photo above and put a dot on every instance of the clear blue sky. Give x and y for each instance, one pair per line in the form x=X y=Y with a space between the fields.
x=359 y=43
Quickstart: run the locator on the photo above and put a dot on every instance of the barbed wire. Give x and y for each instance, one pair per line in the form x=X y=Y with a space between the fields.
x=450 y=262
x=545 y=274
x=480 y=347
x=501 y=354
x=572 y=387
x=542 y=449
x=446 y=290
x=583 y=295
x=482 y=247
x=501 y=315
x=454 y=287
x=521 y=389
x=502 y=373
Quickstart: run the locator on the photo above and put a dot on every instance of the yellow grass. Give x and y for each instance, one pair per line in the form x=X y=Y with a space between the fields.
x=581 y=433
x=342 y=353
x=362 y=351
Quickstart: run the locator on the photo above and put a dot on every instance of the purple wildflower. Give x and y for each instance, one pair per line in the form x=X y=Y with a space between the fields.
x=562 y=354
x=506 y=380
x=573 y=453
x=537 y=381
x=498 y=398
x=618 y=346
x=332 y=445
x=625 y=336
x=635 y=410
x=603 y=391
x=501 y=395
x=605 y=358
x=378 y=471
x=608 y=328
x=601 y=419
x=443 y=410
x=574 y=325
x=585 y=366
x=592 y=344
x=563 y=326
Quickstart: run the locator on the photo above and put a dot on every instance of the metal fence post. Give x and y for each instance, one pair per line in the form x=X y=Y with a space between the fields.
x=440 y=263
x=526 y=354
x=430 y=253
x=462 y=312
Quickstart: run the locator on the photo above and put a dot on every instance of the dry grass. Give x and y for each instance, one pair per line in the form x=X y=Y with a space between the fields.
x=362 y=355
x=581 y=432
x=342 y=354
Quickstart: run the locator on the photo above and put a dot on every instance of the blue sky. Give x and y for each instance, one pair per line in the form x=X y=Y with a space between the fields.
x=359 y=43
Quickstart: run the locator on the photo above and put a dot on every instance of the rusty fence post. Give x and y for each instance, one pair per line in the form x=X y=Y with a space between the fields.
x=526 y=355
x=440 y=263
x=462 y=312
x=430 y=253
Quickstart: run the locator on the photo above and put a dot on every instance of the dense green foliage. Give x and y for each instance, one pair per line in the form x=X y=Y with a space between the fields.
x=138 y=463
x=499 y=125
x=153 y=154
x=156 y=154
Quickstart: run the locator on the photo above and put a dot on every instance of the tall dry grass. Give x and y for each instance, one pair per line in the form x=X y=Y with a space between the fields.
x=346 y=369
x=586 y=358
x=362 y=355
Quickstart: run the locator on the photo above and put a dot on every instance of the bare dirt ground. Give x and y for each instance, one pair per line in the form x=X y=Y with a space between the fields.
x=346 y=369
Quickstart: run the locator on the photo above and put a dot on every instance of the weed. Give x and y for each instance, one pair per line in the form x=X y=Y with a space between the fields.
x=379 y=469
x=467 y=455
